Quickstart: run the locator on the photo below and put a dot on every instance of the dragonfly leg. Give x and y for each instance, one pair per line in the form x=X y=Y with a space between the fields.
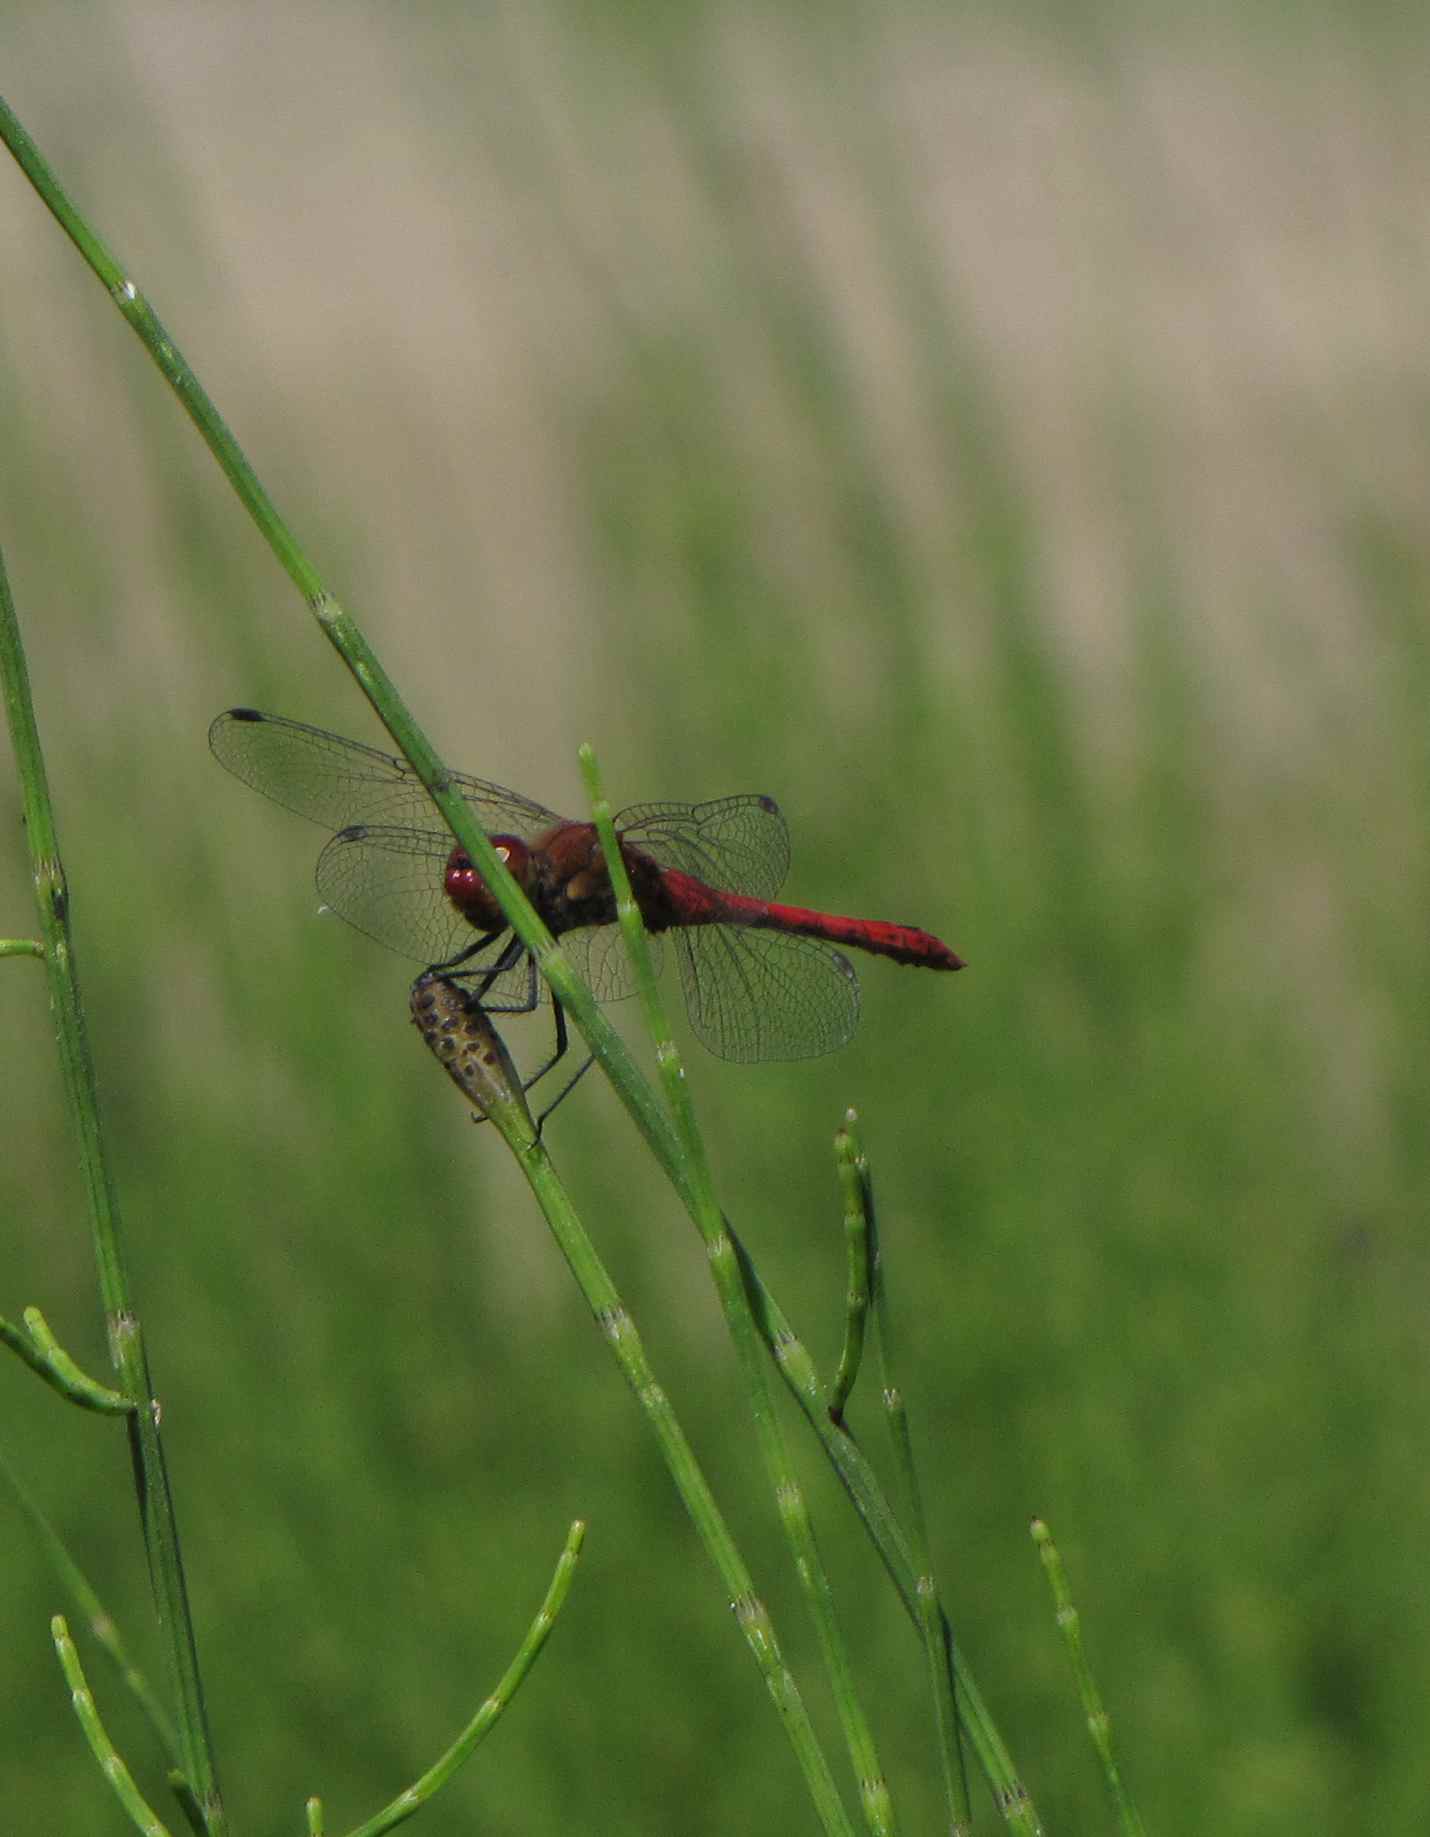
x=480 y=979
x=565 y=1091
x=558 y=1050
x=484 y=942
x=563 y=1040
x=512 y=954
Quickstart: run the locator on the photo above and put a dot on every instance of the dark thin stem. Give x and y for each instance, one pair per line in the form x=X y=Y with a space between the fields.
x=101 y=1624
x=856 y=1301
x=932 y=1623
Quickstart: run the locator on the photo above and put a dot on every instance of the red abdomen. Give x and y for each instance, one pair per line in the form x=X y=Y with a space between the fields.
x=687 y=901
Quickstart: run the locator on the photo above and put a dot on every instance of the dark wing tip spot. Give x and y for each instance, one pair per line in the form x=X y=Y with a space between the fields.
x=355 y=832
x=243 y=714
x=769 y=804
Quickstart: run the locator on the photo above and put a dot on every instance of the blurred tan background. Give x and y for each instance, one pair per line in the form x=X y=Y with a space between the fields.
x=1004 y=438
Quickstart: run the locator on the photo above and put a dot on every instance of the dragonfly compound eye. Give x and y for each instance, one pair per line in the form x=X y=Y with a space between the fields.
x=516 y=856
x=467 y=890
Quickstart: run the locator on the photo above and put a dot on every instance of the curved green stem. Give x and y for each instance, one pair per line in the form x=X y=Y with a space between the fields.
x=42 y=1352
x=141 y=1814
x=481 y=1724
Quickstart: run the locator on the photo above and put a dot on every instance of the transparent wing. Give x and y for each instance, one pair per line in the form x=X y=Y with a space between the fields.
x=338 y=782
x=737 y=844
x=756 y=995
x=598 y=955
x=388 y=883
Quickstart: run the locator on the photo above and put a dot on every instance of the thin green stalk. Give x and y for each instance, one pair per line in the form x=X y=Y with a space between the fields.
x=481 y=1725
x=141 y=1814
x=126 y=1340
x=1099 y=1723
x=100 y=1623
x=463 y=1038
x=866 y=1494
x=633 y=1090
x=342 y=632
x=21 y=947
x=933 y=1623
x=729 y=1280
x=43 y=1353
x=856 y=1299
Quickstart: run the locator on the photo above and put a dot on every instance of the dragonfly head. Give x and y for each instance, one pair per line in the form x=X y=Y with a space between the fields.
x=470 y=894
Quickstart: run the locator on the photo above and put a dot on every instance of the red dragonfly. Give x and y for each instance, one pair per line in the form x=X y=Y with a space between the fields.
x=761 y=981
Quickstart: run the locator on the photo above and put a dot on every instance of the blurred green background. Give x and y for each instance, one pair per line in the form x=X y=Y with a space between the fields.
x=1006 y=438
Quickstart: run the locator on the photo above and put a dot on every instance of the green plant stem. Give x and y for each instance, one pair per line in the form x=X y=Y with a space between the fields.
x=856 y=1301
x=633 y=1090
x=21 y=947
x=341 y=630
x=42 y=1352
x=462 y=1036
x=867 y=1496
x=126 y=1340
x=933 y=1623
x=481 y=1725
x=141 y=1814
x=1099 y=1723
x=99 y=1622
x=729 y=1281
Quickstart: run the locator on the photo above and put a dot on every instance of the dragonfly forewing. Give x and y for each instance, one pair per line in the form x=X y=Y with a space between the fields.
x=339 y=783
